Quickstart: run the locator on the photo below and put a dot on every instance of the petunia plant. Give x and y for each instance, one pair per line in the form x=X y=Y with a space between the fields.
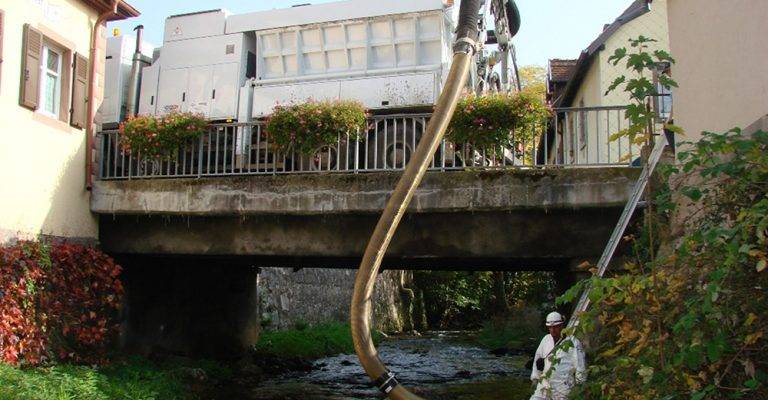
x=309 y=126
x=160 y=137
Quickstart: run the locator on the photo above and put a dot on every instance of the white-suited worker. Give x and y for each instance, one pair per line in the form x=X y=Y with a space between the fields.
x=567 y=364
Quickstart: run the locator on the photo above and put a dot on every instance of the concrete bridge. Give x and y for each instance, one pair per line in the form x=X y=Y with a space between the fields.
x=480 y=220
x=198 y=234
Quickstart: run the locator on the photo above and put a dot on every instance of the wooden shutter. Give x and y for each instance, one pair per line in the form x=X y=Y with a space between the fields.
x=79 y=87
x=30 y=67
x=2 y=15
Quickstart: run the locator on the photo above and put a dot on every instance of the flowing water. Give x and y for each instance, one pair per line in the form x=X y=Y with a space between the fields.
x=437 y=366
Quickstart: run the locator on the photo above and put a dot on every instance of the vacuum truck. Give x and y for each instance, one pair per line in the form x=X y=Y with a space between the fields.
x=392 y=56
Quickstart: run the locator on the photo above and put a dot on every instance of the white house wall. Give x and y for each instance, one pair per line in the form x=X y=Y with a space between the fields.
x=601 y=74
x=722 y=60
x=42 y=159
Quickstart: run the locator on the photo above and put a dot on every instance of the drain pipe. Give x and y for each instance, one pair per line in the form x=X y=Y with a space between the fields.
x=89 y=128
x=139 y=62
x=463 y=51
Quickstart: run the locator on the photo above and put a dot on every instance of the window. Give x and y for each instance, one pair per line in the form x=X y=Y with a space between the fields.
x=50 y=88
x=53 y=78
x=582 y=126
x=662 y=102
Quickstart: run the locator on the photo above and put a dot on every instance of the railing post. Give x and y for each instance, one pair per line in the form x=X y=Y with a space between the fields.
x=200 y=155
x=357 y=150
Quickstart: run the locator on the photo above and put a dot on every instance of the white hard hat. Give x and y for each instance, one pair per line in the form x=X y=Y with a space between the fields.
x=555 y=318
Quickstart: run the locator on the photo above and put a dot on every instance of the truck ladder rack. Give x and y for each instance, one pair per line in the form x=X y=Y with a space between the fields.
x=621 y=226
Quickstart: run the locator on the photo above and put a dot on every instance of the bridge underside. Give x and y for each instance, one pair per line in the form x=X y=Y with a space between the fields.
x=483 y=220
x=525 y=239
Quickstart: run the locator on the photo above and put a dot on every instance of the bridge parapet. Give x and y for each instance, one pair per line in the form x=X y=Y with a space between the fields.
x=459 y=191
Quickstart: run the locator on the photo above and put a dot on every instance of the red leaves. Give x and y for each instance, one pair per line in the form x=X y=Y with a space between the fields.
x=58 y=299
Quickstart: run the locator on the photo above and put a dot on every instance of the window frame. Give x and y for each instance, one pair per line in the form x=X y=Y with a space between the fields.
x=34 y=68
x=662 y=100
x=59 y=75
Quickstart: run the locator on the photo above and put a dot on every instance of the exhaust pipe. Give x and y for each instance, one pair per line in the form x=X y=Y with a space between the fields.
x=463 y=50
x=134 y=83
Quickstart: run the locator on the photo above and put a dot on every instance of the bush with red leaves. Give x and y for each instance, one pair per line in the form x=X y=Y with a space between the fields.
x=57 y=302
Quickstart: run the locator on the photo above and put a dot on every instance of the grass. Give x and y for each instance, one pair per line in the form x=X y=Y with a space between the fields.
x=308 y=341
x=134 y=379
x=513 y=333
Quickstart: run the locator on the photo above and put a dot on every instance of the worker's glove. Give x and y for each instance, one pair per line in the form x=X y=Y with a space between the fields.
x=540 y=364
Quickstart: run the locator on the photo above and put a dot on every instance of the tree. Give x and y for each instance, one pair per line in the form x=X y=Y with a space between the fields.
x=533 y=79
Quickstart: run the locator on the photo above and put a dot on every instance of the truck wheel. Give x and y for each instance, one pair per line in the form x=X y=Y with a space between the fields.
x=391 y=143
x=324 y=159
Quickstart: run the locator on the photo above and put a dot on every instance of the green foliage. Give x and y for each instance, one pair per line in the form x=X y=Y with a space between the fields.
x=692 y=324
x=533 y=80
x=498 y=120
x=308 y=127
x=132 y=379
x=641 y=87
x=521 y=329
x=308 y=341
x=461 y=299
x=161 y=137
x=454 y=297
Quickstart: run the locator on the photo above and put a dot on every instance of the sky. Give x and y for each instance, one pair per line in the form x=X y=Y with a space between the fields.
x=550 y=28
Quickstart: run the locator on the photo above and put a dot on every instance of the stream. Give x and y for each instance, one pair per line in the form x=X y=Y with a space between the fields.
x=438 y=365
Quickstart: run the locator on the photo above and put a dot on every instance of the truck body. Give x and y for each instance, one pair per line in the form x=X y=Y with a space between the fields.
x=388 y=55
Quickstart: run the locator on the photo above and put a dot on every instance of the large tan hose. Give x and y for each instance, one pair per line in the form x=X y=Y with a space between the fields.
x=385 y=229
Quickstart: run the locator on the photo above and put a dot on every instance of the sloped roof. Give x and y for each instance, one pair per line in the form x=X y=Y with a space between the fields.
x=561 y=70
x=636 y=9
x=124 y=10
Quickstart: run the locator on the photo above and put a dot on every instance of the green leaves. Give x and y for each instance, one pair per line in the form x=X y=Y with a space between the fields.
x=641 y=87
x=667 y=82
x=498 y=120
x=617 y=56
x=693 y=193
x=695 y=314
x=640 y=62
x=616 y=82
x=663 y=56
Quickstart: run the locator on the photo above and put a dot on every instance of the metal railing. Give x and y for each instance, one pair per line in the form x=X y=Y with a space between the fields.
x=245 y=149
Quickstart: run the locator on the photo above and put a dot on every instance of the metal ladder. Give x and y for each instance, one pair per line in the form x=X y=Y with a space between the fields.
x=621 y=226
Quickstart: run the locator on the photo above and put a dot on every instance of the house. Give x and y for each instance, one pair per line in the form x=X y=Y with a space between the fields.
x=45 y=80
x=723 y=84
x=559 y=72
x=584 y=135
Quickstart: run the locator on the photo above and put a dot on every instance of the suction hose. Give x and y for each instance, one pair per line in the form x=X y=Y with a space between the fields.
x=464 y=48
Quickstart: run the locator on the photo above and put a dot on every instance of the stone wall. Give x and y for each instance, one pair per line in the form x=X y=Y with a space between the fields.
x=289 y=297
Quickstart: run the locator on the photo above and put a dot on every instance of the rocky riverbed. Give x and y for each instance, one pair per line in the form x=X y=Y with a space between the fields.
x=438 y=365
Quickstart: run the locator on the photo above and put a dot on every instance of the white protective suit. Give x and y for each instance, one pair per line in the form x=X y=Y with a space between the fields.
x=571 y=369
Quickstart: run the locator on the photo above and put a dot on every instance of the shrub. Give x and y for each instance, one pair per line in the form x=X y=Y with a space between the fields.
x=497 y=120
x=161 y=137
x=690 y=324
x=309 y=126
x=57 y=301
